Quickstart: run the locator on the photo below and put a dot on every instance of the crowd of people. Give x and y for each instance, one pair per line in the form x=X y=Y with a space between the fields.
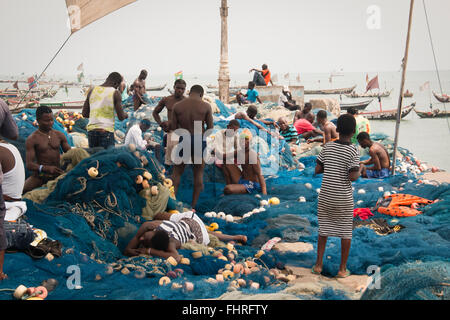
x=339 y=159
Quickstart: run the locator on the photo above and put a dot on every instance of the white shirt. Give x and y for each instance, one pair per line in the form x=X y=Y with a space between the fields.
x=282 y=99
x=14 y=180
x=134 y=136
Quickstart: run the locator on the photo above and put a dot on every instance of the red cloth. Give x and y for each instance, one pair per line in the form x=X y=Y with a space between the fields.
x=303 y=125
x=362 y=213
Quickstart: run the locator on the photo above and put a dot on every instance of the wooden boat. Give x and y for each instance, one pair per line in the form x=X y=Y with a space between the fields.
x=158 y=88
x=357 y=105
x=63 y=105
x=384 y=94
x=388 y=114
x=331 y=91
x=436 y=113
x=7 y=95
x=445 y=98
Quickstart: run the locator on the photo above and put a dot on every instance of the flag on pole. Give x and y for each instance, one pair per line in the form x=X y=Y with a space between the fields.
x=373 y=84
x=32 y=82
x=80 y=67
x=425 y=86
x=179 y=75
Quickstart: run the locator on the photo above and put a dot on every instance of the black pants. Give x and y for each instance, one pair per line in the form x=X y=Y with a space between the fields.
x=101 y=139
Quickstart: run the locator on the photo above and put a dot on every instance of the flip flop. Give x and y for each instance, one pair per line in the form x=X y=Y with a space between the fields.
x=315 y=272
x=347 y=273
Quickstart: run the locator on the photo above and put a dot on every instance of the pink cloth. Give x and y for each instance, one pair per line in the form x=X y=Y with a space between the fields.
x=303 y=125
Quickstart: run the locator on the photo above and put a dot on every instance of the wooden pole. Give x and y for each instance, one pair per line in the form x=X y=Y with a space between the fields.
x=402 y=87
x=224 y=72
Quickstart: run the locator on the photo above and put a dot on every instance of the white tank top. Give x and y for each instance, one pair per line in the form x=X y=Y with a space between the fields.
x=14 y=180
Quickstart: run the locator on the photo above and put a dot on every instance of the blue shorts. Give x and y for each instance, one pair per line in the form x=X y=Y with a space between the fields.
x=378 y=174
x=251 y=186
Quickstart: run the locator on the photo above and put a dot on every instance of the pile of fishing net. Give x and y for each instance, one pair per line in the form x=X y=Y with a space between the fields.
x=96 y=207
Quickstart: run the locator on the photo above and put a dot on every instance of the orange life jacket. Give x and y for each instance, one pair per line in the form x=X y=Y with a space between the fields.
x=401 y=205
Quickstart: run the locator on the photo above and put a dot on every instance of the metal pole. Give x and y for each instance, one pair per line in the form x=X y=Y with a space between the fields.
x=224 y=73
x=402 y=87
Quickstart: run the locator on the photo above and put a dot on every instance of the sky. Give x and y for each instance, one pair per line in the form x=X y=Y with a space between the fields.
x=297 y=36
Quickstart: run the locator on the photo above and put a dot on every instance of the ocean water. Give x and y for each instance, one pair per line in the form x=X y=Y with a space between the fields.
x=427 y=139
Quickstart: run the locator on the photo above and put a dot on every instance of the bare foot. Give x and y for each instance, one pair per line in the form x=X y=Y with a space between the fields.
x=343 y=274
x=316 y=270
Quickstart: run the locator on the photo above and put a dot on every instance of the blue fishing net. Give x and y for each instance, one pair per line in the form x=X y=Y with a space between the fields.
x=94 y=218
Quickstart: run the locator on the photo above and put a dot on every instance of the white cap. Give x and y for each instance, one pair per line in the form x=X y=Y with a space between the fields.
x=286 y=88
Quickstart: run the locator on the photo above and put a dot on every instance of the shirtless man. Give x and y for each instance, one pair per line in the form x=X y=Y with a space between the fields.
x=328 y=128
x=192 y=114
x=250 y=115
x=250 y=180
x=43 y=151
x=168 y=102
x=379 y=157
x=301 y=114
x=138 y=88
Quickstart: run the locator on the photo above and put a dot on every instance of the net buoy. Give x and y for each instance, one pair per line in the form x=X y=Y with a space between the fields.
x=185 y=261
x=227 y=274
x=147 y=175
x=154 y=190
x=259 y=254
x=171 y=260
x=145 y=184
x=93 y=172
x=188 y=286
x=139 y=179
x=20 y=291
x=164 y=281
x=168 y=183
x=197 y=254
x=41 y=292
x=274 y=201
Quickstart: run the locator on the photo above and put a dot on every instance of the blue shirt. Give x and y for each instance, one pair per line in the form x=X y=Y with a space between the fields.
x=251 y=95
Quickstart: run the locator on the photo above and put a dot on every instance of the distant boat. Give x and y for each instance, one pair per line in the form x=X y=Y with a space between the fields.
x=158 y=88
x=384 y=94
x=331 y=91
x=436 y=113
x=444 y=98
x=63 y=105
x=388 y=114
x=357 y=105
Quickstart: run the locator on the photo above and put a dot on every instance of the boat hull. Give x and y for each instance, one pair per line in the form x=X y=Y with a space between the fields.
x=441 y=98
x=358 y=105
x=431 y=114
x=331 y=91
x=388 y=114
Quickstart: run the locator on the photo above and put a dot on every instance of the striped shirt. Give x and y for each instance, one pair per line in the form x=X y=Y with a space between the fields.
x=290 y=134
x=335 y=203
x=178 y=230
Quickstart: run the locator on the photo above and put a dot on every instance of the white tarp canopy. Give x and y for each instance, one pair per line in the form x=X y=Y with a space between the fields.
x=84 y=12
